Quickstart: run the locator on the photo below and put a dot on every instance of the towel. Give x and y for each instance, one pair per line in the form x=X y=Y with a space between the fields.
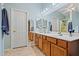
x=70 y=27
x=5 y=23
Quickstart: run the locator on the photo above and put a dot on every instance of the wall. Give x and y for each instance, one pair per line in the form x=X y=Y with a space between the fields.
x=32 y=9
x=1 y=41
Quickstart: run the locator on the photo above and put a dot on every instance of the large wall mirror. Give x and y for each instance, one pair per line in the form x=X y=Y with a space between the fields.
x=58 y=20
x=61 y=17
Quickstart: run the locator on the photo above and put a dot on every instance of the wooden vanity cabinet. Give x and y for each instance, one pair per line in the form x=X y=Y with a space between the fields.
x=46 y=46
x=57 y=47
x=57 y=51
x=51 y=46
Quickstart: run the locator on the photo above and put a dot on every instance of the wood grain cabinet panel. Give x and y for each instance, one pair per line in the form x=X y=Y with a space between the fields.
x=30 y=36
x=57 y=51
x=73 y=48
x=40 y=42
x=62 y=43
x=36 y=40
x=51 y=39
x=46 y=47
x=43 y=37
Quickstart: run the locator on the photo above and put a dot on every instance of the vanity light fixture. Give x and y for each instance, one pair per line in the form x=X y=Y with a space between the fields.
x=46 y=9
x=73 y=8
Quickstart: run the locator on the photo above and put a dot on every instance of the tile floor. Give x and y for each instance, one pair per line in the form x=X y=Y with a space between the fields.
x=31 y=50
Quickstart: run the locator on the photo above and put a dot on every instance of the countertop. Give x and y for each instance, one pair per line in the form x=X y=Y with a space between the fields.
x=65 y=36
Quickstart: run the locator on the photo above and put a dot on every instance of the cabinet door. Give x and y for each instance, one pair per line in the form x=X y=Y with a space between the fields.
x=57 y=51
x=30 y=36
x=40 y=42
x=46 y=47
x=33 y=36
x=36 y=40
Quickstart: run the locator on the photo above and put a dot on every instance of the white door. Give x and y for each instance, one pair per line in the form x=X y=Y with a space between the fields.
x=18 y=28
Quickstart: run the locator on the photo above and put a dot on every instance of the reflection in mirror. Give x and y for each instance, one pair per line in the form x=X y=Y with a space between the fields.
x=63 y=25
x=58 y=20
x=41 y=25
x=31 y=25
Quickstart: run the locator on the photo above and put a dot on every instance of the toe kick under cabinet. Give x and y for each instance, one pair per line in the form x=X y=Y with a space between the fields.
x=52 y=46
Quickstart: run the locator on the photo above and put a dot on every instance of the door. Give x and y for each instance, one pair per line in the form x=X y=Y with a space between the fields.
x=18 y=28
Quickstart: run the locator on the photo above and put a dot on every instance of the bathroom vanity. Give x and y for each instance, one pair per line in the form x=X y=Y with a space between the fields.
x=52 y=44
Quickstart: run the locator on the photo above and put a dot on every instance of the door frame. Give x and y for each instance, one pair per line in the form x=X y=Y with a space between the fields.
x=26 y=25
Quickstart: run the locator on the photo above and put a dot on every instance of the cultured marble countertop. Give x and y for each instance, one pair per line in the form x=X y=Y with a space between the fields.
x=65 y=36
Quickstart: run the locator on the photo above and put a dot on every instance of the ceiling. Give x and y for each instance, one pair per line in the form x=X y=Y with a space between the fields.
x=70 y=7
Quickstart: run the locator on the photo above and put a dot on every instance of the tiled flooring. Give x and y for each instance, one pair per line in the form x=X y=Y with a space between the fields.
x=31 y=50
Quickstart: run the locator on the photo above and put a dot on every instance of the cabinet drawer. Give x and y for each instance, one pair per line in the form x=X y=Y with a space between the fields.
x=62 y=43
x=51 y=39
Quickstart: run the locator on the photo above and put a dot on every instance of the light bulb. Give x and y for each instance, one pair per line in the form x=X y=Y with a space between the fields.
x=46 y=8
